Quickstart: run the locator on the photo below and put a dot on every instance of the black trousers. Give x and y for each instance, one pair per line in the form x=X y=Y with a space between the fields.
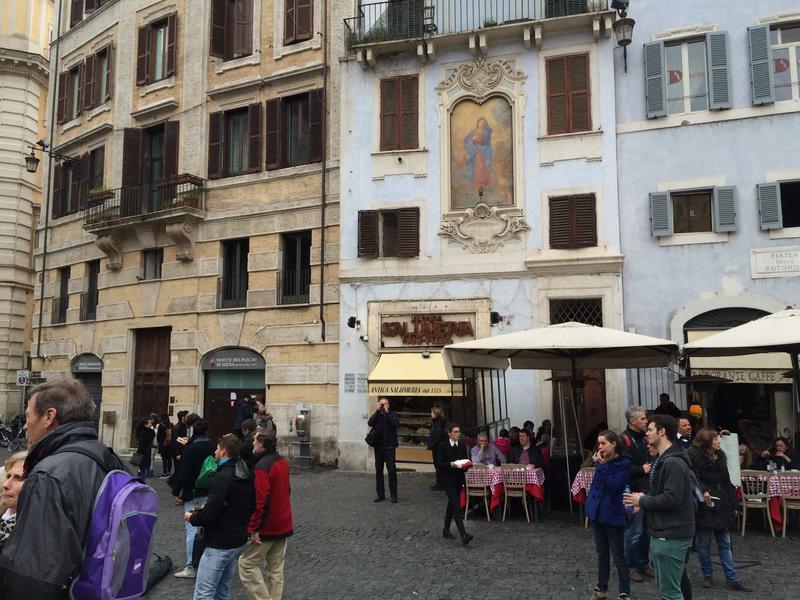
x=166 y=459
x=385 y=456
x=453 y=512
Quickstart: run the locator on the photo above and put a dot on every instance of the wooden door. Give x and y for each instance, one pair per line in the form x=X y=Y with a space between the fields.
x=151 y=374
x=219 y=410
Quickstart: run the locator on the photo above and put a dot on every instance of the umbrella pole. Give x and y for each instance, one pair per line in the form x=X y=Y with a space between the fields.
x=574 y=386
x=566 y=449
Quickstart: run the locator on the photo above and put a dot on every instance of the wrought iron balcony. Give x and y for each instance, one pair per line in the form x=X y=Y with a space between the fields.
x=89 y=306
x=402 y=20
x=58 y=310
x=164 y=199
x=293 y=286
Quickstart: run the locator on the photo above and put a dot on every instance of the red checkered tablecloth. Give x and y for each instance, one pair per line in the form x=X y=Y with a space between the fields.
x=581 y=484
x=784 y=485
x=493 y=477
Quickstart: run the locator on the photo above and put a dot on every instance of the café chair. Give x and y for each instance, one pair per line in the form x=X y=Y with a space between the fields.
x=755 y=496
x=514 y=478
x=583 y=506
x=477 y=483
x=790 y=486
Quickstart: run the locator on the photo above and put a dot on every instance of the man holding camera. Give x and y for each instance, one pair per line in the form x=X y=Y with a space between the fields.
x=384 y=420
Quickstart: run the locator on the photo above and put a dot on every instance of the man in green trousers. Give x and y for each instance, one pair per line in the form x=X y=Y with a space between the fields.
x=669 y=506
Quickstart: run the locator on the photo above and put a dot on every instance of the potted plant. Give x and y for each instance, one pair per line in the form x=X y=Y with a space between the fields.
x=98 y=194
x=189 y=198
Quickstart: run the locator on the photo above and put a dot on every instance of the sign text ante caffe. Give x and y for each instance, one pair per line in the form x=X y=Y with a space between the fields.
x=426 y=329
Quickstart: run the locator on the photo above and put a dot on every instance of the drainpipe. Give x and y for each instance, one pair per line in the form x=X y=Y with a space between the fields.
x=46 y=206
x=323 y=184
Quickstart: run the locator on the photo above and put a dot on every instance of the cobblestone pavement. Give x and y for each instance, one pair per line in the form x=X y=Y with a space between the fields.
x=347 y=547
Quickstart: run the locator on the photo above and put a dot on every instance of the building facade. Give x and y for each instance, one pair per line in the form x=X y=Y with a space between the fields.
x=25 y=32
x=479 y=196
x=192 y=257
x=708 y=115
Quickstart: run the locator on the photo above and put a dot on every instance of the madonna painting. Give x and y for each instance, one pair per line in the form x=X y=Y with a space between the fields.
x=481 y=163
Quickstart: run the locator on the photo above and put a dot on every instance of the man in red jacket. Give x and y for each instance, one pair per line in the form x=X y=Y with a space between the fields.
x=270 y=524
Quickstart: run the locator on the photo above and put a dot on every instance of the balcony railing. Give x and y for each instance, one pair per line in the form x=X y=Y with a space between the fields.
x=89 y=306
x=293 y=286
x=393 y=20
x=58 y=310
x=231 y=293
x=145 y=201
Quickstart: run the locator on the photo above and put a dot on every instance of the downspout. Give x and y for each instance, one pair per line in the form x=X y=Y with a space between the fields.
x=323 y=183
x=46 y=206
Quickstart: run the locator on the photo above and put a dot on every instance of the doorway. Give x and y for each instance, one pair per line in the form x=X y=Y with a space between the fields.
x=150 y=374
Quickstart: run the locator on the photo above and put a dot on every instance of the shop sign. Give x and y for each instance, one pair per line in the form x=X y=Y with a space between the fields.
x=233 y=358
x=775 y=262
x=404 y=388
x=87 y=363
x=426 y=330
x=746 y=375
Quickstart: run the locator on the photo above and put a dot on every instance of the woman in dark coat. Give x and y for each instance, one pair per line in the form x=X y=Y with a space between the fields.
x=145 y=434
x=436 y=437
x=718 y=514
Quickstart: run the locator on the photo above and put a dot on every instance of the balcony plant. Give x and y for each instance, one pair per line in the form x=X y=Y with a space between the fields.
x=98 y=194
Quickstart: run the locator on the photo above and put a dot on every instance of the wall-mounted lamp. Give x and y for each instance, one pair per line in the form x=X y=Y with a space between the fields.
x=495 y=317
x=32 y=161
x=623 y=28
x=352 y=322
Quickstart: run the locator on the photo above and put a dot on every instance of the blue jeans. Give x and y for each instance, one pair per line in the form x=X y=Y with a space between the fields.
x=608 y=540
x=725 y=554
x=191 y=531
x=637 y=542
x=215 y=573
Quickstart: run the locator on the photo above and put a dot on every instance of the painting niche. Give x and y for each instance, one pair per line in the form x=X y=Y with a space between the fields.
x=481 y=154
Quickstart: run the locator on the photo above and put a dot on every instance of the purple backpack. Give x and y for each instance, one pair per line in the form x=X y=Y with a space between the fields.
x=116 y=555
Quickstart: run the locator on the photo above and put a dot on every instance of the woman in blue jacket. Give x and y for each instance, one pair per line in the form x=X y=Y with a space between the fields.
x=604 y=508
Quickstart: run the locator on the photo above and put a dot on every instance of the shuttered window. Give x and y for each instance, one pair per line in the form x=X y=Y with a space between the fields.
x=563 y=8
x=785 y=50
x=298 y=21
x=568 y=95
x=399 y=113
x=388 y=233
x=573 y=222
x=779 y=204
x=234 y=142
x=295 y=129
x=96 y=168
x=76 y=12
x=156 y=50
x=70 y=186
x=694 y=211
x=231 y=28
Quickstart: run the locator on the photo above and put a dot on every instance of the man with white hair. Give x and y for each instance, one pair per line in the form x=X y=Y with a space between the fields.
x=637 y=542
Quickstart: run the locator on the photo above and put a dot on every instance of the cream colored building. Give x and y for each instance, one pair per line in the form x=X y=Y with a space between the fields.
x=192 y=257
x=25 y=31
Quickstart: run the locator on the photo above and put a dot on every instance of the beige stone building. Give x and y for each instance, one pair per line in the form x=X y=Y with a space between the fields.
x=192 y=256
x=25 y=31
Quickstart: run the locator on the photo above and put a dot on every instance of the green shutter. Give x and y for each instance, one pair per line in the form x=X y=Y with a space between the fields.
x=718 y=70
x=660 y=214
x=724 y=209
x=655 y=84
x=761 y=64
x=769 y=205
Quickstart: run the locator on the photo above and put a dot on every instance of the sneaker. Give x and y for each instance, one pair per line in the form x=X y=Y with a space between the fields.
x=737 y=586
x=597 y=594
x=187 y=573
x=624 y=596
x=637 y=577
x=708 y=582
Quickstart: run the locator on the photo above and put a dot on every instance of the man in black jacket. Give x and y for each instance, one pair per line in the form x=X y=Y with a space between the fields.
x=451 y=450
x=384 y=420
x=45 y=549
x=637 y=542
x=194 y=454
x=224 y=521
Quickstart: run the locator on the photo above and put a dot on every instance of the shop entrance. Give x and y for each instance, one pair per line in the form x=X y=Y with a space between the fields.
x=88 y=369
x=231 y=375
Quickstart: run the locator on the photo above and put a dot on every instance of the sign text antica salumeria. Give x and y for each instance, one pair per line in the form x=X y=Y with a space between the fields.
x=427 y=330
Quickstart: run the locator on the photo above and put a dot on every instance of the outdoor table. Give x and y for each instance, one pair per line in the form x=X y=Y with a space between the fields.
x=581 y=484
x=493 y=477
x=778 y=488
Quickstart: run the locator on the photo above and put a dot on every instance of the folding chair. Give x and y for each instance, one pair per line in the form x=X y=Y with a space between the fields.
x=790 y=492
x=514 y=478
x=477 y=483
x=755 y=496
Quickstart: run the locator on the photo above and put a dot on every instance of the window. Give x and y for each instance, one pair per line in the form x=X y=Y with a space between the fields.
x=151 y=264
x=568 y=96
x=155 y=54
x=785 y=42
x=69 y=94
x=294 y=279
x=298 y=21
x=103 y=80
x=61 y=302
x=687 y=77
x=579 y=310
x=388 y=233
x=96 y=165
x=693 y=211
x=85 y=86
x=294 y=130
x=149 y=160
x=88 y=308
x=234 y=142
x=232 y=286
x=231 y=28
x=779 y=204
x=573 y=222
x=563 y=8
x=76 y=12
x=66 y=188
x=399 y=113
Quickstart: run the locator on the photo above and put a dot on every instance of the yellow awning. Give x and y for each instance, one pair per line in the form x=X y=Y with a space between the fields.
x=411 y=374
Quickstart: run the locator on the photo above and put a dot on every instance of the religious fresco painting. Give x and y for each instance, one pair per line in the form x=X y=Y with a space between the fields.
x=481 y=154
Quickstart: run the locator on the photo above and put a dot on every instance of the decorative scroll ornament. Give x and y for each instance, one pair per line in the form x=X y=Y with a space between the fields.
x=483 y=229
x=182 y=234
x=110 y=244
x=480 y=77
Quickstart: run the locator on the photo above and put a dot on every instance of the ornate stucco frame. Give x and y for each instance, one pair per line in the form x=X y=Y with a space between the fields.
x=485 y=228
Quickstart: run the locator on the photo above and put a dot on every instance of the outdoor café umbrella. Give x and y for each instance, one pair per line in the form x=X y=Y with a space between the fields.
x=570 y=346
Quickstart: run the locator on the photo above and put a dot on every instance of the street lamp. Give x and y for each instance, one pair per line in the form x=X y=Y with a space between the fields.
x=623 y=28
x=32 y=161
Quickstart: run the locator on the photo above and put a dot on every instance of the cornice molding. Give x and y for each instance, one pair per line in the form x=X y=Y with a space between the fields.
x=26 y=64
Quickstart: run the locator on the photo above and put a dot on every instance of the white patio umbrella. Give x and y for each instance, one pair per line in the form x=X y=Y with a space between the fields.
x=570 y=346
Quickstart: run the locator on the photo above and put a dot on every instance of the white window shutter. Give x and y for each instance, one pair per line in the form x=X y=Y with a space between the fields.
x=718 y=70
x=654 y=81
x=725 y=209
x=769 y=205
x=761 y=65
x=660 y=214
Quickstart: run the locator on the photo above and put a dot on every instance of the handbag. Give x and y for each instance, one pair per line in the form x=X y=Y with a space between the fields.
x=136 y=459
x=373 y=437
x=159 y=567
